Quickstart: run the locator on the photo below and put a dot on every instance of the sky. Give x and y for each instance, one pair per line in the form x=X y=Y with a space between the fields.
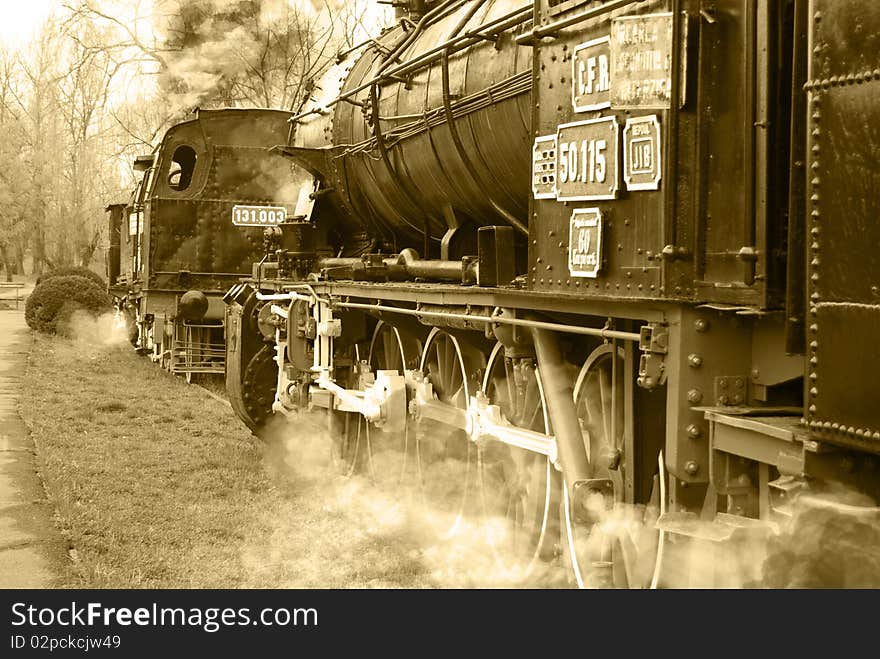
x=19 y=18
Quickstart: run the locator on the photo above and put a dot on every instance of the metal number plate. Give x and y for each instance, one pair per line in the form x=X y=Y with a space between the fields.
x=591 y=75
x=258 y=216
x=544 y=167
x=641 y=61
x=586 y=160
x=641 y=153
x=585 y=243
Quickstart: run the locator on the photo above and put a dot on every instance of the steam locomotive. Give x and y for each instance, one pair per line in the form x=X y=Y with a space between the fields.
x=173 y=250
x=554 y=259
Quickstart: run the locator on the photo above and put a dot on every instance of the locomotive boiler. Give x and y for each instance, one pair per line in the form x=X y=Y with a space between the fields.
x=566 y=256
x=173 y=250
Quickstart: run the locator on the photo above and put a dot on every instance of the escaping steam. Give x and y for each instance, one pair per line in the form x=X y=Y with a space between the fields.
x=380 y=529
x=107 y=329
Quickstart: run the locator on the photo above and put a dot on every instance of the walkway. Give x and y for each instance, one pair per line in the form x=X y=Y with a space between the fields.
x=31 y=549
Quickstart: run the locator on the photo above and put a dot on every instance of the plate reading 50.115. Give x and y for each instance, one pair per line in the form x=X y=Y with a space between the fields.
x=258 y=216
x=586 y=160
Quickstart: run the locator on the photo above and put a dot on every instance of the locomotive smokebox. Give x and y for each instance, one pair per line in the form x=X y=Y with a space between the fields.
x=193 y=305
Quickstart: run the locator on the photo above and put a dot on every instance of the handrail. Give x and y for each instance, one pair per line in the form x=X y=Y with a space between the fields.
x=551 y=29
x=454 y=45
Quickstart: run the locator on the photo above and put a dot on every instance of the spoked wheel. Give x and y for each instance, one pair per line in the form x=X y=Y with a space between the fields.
x=517 y=485
x=348 y=446
x=391 y=350
x=445 y=455
x=604 y=552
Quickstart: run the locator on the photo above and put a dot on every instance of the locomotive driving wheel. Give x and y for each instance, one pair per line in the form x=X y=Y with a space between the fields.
x=603 y=551
x=348 y=443
x=363 y=445
x=445 y=455
x=391 y=350
x=519 y=486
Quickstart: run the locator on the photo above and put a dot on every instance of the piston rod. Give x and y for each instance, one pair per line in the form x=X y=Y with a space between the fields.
x=563 y=414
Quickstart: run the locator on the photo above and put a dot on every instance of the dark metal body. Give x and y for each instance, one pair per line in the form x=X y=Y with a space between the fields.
x=730 y=269
x=177 y=234
x=421 y=175
x=844 y=206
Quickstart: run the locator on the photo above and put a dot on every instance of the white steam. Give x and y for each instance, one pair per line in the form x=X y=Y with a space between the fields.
x=107 y=329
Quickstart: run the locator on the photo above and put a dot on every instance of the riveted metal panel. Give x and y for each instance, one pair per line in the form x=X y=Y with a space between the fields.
x=191 y=239
x=633 y=222
x=843 y=178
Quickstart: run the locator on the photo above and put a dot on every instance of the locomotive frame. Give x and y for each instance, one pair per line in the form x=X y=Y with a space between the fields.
x=560 y=367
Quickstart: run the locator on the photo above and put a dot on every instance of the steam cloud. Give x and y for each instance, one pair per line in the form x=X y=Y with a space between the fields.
x=106 y=330
x=358 y=531
x=379 y=532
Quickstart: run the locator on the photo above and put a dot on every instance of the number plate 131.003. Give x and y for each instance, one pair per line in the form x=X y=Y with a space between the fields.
x=258 y=216
x=586 y=160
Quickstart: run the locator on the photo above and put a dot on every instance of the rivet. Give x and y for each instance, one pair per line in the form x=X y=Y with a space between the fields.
x=695 y=396
x=701 y=325
x=692 y=467
x=694 y=431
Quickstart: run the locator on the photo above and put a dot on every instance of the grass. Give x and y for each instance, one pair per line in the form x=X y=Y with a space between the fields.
x=157 y=485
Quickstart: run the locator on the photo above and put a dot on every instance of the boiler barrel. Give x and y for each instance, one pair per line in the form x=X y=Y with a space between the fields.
x=418 y=168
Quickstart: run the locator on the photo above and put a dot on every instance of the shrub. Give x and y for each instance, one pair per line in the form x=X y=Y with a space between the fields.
x=76 y=271
x=49 y=308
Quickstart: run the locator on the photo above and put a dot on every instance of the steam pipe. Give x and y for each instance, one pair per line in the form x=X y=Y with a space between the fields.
x=496 y=320
x=563 y=415
x=453 y=45
x=552 y=28
x=462 y=153
x=406 y=42
x=406 y=264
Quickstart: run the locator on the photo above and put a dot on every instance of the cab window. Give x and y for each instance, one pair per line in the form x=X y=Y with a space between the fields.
x=183 y=164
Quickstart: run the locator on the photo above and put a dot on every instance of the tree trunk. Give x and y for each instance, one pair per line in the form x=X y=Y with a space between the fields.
x=4 y=260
